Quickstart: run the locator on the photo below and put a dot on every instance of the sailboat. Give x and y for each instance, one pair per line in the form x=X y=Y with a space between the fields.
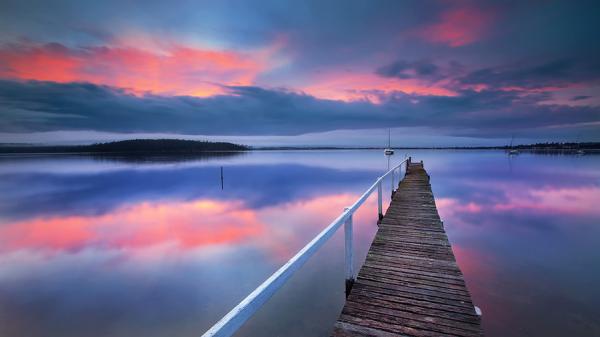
x=579 y=150
x=512 y=152
x=389 y=151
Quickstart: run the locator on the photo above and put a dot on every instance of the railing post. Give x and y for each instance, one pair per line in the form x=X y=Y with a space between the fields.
x=393 y=182
x=349 y=258
x=379 y=201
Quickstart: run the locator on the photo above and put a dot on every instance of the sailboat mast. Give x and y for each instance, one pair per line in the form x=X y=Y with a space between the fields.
x=388 y=151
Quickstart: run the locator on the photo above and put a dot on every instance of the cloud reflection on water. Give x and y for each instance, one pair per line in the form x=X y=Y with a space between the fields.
x=185 y=224
x=161 y=250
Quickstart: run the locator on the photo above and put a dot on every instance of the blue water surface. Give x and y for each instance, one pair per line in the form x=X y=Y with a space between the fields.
x=113 y=247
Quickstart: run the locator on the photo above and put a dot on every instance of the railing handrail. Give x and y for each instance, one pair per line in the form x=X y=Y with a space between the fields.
x=370 y=190
x=235 y=318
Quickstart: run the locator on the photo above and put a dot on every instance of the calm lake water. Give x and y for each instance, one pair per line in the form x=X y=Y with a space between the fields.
x=104 y=247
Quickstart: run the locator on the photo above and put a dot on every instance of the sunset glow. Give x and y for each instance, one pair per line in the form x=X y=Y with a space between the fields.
x=179 y=70
x=458 y=27
x=468 y=73
x=353 y=87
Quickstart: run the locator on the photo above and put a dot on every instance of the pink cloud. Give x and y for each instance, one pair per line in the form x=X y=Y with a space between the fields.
x=457 y=27
x=179 y=69
x=346 y=86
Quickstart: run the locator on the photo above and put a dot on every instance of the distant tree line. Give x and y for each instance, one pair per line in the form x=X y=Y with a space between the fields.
x=557 y=146
x=133 y=146
x=538 y=146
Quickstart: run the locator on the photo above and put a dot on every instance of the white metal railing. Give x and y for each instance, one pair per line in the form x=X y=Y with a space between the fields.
x=235 y=318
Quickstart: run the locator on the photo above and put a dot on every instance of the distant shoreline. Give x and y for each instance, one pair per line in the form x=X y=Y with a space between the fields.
x=174 y=147
x=402 y=148
x=548 y=147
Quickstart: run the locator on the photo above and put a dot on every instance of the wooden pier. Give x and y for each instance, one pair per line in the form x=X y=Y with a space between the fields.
x=410 y=284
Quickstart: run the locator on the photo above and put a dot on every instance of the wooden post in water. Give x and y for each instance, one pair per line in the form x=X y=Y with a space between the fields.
x=221 y=177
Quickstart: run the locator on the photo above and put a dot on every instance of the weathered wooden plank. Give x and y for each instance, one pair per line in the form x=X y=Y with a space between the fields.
x=426 y=270
x=400 y=320
x=413 y=253
x=410 y=284
x=343 y=329
x=437 y=277
x=411 y=299
x=417 y=293
x=412 y=243
x=420 y=242
x=419 y=312
x=397 y=329
x=425 y=247
x=408 y=234
x=410 y=270
x=417 y=278
x=424 y=260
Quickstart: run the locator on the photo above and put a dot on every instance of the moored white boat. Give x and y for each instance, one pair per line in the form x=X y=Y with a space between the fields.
x=389 y=151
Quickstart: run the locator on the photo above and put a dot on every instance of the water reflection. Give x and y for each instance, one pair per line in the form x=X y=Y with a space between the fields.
x=525 y=234
x=93 y=247
x=138 y=225
x=117 y=248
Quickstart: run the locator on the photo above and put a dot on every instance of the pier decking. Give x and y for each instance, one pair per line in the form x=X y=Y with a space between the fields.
x=410 y=284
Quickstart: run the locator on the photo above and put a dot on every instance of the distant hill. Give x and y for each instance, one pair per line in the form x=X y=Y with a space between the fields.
x=134 y=146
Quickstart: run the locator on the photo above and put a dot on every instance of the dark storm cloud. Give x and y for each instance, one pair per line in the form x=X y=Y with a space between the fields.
x=423 y=69
x=545 y=74
x=555 y=73
x=580 y=98
x=405 y=69
x=46 y=106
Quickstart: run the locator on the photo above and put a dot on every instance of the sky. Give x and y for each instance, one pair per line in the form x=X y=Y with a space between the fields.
x=437 y=73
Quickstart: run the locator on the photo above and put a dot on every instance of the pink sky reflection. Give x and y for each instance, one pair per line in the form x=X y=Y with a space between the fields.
x=183 y=225
x=539 y=201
